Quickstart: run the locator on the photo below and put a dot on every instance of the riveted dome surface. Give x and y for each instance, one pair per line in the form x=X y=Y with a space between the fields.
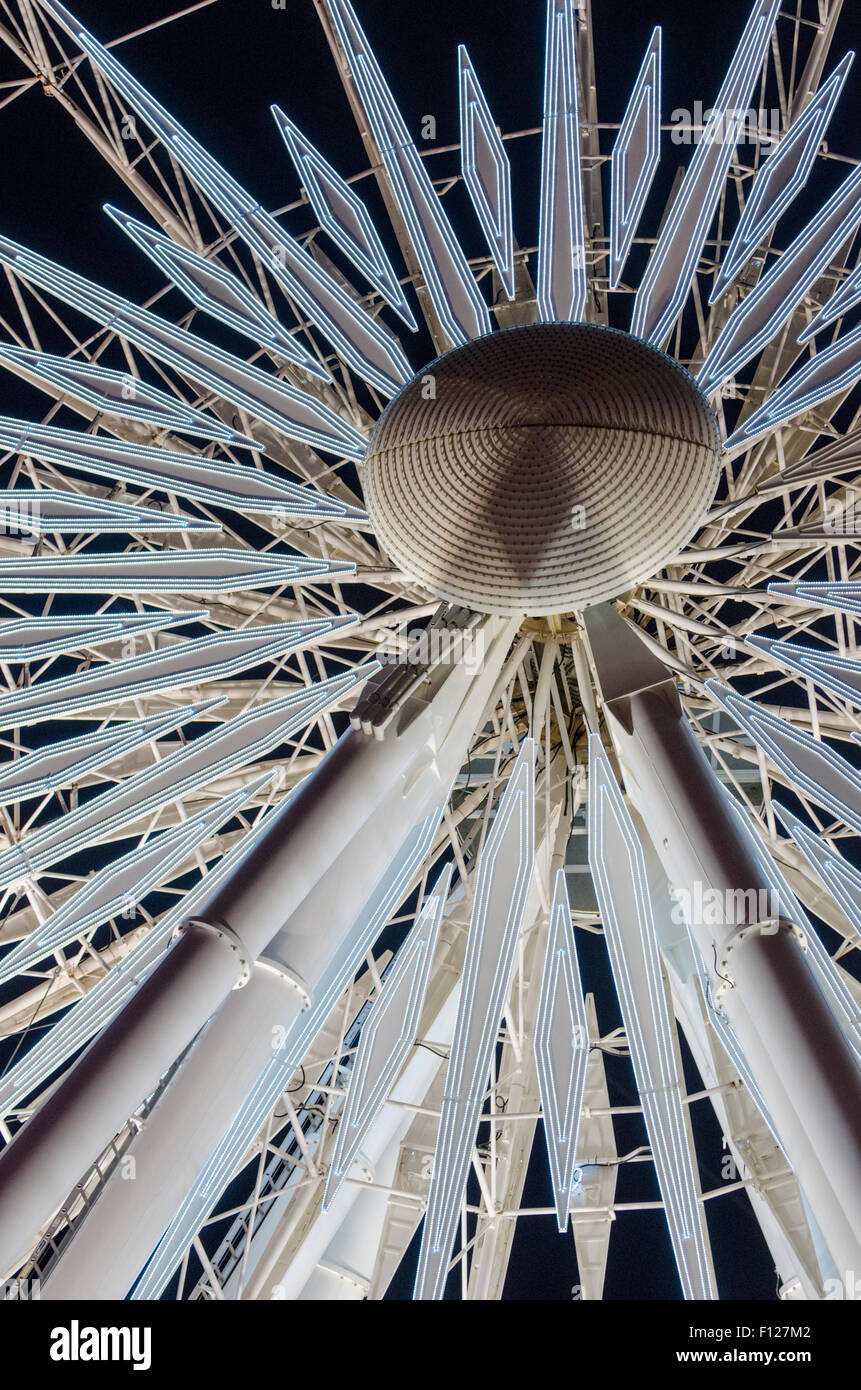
x=541 y=469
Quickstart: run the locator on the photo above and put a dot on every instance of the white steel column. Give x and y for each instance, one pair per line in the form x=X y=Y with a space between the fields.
x=773 y=1002
x=419 y=744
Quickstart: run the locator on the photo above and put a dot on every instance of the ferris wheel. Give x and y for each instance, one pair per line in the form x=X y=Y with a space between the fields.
x=432 y=690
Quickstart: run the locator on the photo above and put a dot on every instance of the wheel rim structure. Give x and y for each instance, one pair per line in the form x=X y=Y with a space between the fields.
x=577 y=807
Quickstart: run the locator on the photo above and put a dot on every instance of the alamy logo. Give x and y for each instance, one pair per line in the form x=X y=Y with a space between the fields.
x=77 y=1343
x=713 y=907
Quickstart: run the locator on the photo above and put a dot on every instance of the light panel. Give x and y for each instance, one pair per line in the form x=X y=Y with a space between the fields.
x=781 y=177
x=486 y=170
x=839 y=674
x=228 y=747
x=810 y=765
x=844 y=298
x=673 y=262
x=562 y=281
x=759 y=315
x=123 y=883
x=50 y=512
x=119 y=394
x=27 y=639
x=621 y=885
x=162 y=571
x=64 y=763
x=341 y=212
x=388 y=1036
x=846 y=598
x=217 y=292
x=835 y=368
x=215 y=482
x=500 y=887
x=359 y=338
x=189 y=664
x=335 y=978
x=635 y=157
x=456 y=298
x=267 y=398
x=561 y=1047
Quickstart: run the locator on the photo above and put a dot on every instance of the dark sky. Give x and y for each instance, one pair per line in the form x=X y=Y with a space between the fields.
x=218 y=71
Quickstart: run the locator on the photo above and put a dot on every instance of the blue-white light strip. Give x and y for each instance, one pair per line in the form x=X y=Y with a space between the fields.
x=215 y=482
x=844 y=1007
x=839 y=674
x=218 y=292
x=673 y=262
x=781 y=176
x=230 y=746
x=341 y=212
x=451 y=285
x=842 y=455
x=50 y=512
x=64 y=763
x=844 y=298
x=811 y=766
x=26 y=639
x=217 y=656
x=162 y=571
x=846 y=598
x=359 y=338
x=123 y=883
x=119 y=394
x=762 y=312
x=486 y=170
x=388 y=1036
x=561 y=1046
x=500 y=888
x=621 y=885
x=838 y=876
x=562 y=281
x=96 y=1009
x=836 y=368
x=640 y=130
x=276 y=403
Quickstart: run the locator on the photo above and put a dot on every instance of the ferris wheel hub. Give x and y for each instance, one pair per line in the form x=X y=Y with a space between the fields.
x=542 y=469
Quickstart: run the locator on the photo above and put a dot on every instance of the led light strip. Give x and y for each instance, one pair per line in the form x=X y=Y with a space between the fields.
x=500 y=887
x=162 y=571
x=189 y=664
x=561 y=1067
x=562 y=278
x=216 y=482
x=120 y=394
x=782 y=175
x=673 y=262
x=226 y=748
x=388 y=1036
x=451 y=285
x=759 y=315
x=359 y=338
x=218 y=292
x=276 y=403
x=641 y=127
x=353 y=231
x=835 y=368
x=124 y=883
x=277 y=1072
x=626 y=914
x=489 y=189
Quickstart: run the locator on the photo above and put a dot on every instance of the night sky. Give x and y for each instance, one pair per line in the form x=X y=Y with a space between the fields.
x=218 y=71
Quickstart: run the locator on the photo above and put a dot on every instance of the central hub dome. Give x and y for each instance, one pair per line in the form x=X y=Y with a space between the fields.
x=542 y=469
